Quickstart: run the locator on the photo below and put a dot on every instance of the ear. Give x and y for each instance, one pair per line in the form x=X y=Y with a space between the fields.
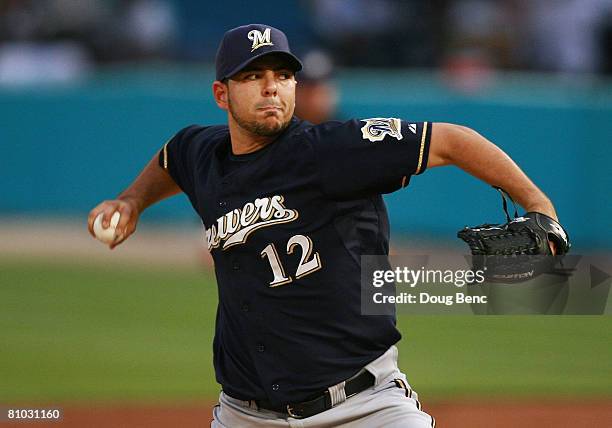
x=220 y=93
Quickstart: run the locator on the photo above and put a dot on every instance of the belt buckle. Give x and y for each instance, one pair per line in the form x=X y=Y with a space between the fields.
x=290 y=412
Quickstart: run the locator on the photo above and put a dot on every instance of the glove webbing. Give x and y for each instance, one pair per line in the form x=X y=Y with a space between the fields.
x=529 y=248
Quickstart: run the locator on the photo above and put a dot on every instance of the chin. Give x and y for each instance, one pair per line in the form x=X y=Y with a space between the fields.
x=272 y=127
x=273 y=122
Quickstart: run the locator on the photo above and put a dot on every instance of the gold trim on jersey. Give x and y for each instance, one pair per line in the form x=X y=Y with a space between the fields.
x=165 y=150
x=422 y=150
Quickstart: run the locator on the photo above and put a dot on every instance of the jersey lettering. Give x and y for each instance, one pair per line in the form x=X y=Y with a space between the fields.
x=234 y=227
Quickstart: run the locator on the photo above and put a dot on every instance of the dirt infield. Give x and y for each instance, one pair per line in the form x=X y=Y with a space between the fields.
x=65 y=239
x=459 y=414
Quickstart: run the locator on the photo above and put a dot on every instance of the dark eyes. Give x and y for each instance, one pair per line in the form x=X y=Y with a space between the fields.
x=283 y=75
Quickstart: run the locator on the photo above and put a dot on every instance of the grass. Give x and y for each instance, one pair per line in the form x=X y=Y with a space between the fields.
x=89 y=332
x=489 y=356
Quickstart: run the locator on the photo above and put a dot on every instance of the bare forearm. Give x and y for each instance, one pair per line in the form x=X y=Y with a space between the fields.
x=476 y=155
x=152 y=185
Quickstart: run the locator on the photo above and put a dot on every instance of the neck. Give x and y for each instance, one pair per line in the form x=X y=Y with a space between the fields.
x=244 y=142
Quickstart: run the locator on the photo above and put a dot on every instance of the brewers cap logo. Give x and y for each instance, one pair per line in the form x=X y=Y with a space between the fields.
x=259 y=39
x=376 y=128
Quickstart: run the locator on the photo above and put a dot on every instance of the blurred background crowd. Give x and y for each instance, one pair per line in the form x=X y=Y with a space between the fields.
x=62 y=39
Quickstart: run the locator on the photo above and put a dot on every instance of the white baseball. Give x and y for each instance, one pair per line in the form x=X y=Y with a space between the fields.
x=106 y=235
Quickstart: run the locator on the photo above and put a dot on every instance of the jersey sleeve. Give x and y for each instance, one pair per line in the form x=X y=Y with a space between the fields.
x=177 y=158
x=361 y=158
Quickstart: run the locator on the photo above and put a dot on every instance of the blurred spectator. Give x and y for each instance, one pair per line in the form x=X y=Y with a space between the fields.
x=24 y=63
x=483 y=31
x=44 y=20
x=479 y=38
x=139 y=30
x=18 y=20
x=469 y=39
x=566 y=35
x=316 y=95
x=121 y=30
x=605 y=41
x=388 y=33
x=40 y=41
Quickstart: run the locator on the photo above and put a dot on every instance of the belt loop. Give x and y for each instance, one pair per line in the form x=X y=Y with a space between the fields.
x=337 y=393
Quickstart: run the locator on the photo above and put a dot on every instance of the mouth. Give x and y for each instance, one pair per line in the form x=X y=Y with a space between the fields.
x=269 y=108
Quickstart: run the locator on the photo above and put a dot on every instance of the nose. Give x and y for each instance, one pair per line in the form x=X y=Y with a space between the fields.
x=270 y=88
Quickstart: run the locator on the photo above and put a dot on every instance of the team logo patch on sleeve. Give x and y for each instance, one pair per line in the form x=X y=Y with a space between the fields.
x=376 y=128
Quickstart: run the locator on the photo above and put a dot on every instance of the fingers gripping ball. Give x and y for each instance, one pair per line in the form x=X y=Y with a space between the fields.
x=107 y=235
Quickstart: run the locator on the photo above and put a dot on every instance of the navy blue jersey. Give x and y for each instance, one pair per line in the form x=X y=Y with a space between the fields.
x=286 y=227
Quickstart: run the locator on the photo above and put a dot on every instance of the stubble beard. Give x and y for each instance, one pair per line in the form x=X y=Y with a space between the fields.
x=257 y=128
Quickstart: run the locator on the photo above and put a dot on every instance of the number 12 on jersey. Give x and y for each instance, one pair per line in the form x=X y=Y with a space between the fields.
x=308 y=264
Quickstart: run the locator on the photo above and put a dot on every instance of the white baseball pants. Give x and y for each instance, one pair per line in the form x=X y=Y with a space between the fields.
x=390 y=403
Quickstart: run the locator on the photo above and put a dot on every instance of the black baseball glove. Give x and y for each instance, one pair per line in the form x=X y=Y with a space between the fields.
x=519 y=249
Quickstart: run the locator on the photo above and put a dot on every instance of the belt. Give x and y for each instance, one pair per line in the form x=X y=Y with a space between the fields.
x=323 y=402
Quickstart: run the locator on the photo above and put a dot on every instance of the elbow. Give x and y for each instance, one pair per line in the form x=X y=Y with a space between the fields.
x=449 y=143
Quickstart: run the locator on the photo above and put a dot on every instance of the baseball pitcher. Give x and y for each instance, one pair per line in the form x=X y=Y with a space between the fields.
x=289 y=208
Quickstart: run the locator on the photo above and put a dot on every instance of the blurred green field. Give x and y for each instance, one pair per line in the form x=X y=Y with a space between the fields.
x=72 y=332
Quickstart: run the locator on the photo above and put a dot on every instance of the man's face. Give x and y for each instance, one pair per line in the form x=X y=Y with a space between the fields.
x=261 y=97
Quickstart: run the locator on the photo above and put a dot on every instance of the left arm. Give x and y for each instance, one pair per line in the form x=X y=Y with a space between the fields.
x=470 y=151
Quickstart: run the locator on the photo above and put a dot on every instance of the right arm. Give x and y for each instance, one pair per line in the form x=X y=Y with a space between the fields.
x=152 y=185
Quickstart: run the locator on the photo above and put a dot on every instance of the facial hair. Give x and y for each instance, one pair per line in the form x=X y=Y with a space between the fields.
x=256 y=128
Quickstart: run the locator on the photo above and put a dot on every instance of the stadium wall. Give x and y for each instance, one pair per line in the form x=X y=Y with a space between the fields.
x=66 y=148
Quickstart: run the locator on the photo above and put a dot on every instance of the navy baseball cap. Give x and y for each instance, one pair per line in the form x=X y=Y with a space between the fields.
x=242 y=45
